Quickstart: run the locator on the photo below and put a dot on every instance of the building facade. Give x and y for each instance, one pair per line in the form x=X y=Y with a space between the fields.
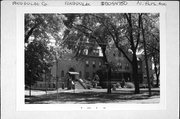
x=89 y=64
x=120 y=66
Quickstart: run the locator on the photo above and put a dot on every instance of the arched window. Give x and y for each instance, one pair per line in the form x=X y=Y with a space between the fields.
x=62 y=73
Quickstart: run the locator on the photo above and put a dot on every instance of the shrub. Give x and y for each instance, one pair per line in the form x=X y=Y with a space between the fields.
x=129 y=85
x=118 y=85
x=114 y=86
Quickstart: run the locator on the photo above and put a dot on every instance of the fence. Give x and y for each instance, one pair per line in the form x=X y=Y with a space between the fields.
x=48 y=85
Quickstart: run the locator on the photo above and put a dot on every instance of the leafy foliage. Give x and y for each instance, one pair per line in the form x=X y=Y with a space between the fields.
x=43 y=32
x=123 y=30
x=43 y=27
x=82 y=33
x=37 y=62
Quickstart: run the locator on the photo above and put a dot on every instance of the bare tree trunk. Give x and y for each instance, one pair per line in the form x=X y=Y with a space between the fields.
x=108 y=71
x=30 y=87
x=146 y=59
x=57 y=76
x=109 y=80
x=135 y=74
x=133 y=48
x=157 y=74
x=45 y=83
x=30 y=90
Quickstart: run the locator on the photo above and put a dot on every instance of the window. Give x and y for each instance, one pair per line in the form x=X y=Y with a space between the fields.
x=87 y=75
x=87 y=63
x=94 y=64
x=127 y=66
x=139 y=66
x=62 y=73
x=100 y=64
x=120 y=65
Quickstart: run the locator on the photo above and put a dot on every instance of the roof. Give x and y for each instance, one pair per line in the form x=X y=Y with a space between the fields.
x=75 y=73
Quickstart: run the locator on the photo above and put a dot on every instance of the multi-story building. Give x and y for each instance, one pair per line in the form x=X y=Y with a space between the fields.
x=121 y=68
x=142 y=74
x=88 y=65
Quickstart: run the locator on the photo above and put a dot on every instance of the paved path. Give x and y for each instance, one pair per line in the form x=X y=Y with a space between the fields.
x=38 y=92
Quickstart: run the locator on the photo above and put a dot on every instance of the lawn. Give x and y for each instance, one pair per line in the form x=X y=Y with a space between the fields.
x=94 y=96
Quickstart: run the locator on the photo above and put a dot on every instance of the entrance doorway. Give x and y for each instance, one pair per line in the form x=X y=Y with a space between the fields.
x=72 y=76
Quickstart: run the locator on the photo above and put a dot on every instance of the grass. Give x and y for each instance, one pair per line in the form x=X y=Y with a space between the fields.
x=93 y=97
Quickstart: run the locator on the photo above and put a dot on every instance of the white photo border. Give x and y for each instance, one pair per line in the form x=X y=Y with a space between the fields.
x=20 y=102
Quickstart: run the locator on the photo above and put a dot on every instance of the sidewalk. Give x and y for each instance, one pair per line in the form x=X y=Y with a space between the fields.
x=39 y=92
x=120 y=90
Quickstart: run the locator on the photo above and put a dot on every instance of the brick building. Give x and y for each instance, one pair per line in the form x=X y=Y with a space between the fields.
x=90 y=63
x=121 y=69
x=86 y=66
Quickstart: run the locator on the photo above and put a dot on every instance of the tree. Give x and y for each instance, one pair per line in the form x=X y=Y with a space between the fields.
x=145 y=52
x=124 y=30
x=86 y=33
x=151 y=36
x=40 y=31
x=153 y=44
x=36 y=63
x=43 y=27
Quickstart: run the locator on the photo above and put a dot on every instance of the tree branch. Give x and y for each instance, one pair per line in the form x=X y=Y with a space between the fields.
x=130 y=32
x=85 y=27
x=120 y=49
x=139 y=26
x=30 y=32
